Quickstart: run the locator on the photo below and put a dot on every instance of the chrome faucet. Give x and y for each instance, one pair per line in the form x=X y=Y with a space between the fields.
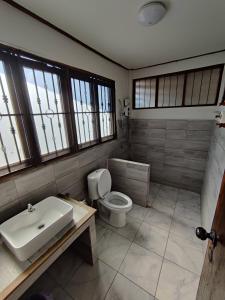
x=30 y=207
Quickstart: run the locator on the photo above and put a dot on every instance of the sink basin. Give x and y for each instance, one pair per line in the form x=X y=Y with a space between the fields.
x=27 y=232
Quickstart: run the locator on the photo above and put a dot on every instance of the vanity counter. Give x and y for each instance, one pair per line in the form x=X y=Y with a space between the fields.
x=16 y=277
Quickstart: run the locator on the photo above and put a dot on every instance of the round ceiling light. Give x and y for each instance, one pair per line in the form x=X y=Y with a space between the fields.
x=151 y=13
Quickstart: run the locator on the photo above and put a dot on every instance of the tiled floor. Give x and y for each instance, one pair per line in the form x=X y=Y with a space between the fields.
x=155 y=256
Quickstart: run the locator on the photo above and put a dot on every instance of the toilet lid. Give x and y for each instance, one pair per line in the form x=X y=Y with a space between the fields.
x=104 y=183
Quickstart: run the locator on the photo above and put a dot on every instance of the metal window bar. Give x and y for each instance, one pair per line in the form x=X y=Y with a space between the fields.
x=46 y=92
x=85 y=88
x=150 y=102
x=76 y=108
x=4 y=153
x=40 y=109
x=169 y=89
x=200 y=91
x=176 y=90
x=57 y=110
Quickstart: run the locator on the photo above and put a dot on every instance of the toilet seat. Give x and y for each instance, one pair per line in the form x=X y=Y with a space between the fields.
x=117 y=202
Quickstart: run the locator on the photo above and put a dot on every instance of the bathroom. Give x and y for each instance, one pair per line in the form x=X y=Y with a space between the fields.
x=142 y=103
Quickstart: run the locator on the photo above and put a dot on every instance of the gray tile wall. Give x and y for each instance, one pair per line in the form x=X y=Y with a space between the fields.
x=131 y=178
x=65 y=176
x=213 y=176
x=176 y=150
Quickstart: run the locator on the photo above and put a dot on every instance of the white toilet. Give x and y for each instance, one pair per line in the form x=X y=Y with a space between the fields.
x=112 y=206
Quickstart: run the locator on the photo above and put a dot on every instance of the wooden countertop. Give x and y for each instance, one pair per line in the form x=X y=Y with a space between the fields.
x=13 y=272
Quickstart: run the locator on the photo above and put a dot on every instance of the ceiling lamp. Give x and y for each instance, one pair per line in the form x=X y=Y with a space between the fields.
x=151 y=13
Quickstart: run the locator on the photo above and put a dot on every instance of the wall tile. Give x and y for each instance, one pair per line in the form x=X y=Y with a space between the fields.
x=158 y=124
x=175 y=134
x=66 y=181
x=8 y=192
x=37 y=195
x=157 y=133
x=35 y=180
x=196 y=145
x=9 y=210
x=173 y=146
x=213 y=176
x=176 y=124
x=199 y=135
x=66 y=166
x=200 y=125
x=155 y=156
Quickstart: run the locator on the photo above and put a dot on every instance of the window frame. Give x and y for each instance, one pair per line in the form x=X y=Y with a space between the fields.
x=17 y=60
x=185 y=73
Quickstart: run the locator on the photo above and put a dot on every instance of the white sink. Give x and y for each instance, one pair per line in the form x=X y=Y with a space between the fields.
x=27 y=232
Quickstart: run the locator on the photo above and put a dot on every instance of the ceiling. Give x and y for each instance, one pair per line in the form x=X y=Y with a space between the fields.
x=190 y=27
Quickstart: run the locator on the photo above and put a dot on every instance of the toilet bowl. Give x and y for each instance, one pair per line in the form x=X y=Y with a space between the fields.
x=112 y=205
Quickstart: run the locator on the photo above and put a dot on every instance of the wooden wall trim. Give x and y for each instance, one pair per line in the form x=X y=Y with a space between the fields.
x=61 y=31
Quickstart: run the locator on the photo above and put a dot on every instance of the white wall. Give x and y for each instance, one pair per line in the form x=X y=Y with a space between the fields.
x=21 y=31
x=178 y=113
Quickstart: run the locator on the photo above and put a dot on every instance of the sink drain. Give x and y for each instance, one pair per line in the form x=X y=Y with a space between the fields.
x=41 y=226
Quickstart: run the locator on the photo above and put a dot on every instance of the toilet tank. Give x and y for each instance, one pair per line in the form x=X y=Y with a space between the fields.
x=99 y=183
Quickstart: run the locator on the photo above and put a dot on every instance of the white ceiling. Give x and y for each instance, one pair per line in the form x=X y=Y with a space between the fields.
x=190 y=27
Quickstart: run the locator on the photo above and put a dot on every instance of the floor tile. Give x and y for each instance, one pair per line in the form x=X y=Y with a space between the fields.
x=166 y=199
x=138 y=212
x=188 y=198
x=112 y=248
x=91 y=282
x=153 y=191
x=188 y=205
x=188 y=216
x=64 y=267
x=129 y=230
x=168 y=194
x=181 y=229
x=124 y=289
x=142 y=267
x=47 y=286
x=152 y=238
x=185 y=254
x=176 y=283
x=100 y=229
x=159 y=219
x=164 y=206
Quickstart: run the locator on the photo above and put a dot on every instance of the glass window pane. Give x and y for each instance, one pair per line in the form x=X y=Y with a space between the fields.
x=11 y=147
x=145 y=93
x=105 y=111
x=47 y=110
x=85 y=113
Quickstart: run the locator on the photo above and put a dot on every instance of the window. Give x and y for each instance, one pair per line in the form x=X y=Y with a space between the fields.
x=106 y=112
x=48 y=110
x=189 y=88
x=93 y=106
x=13 y=146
